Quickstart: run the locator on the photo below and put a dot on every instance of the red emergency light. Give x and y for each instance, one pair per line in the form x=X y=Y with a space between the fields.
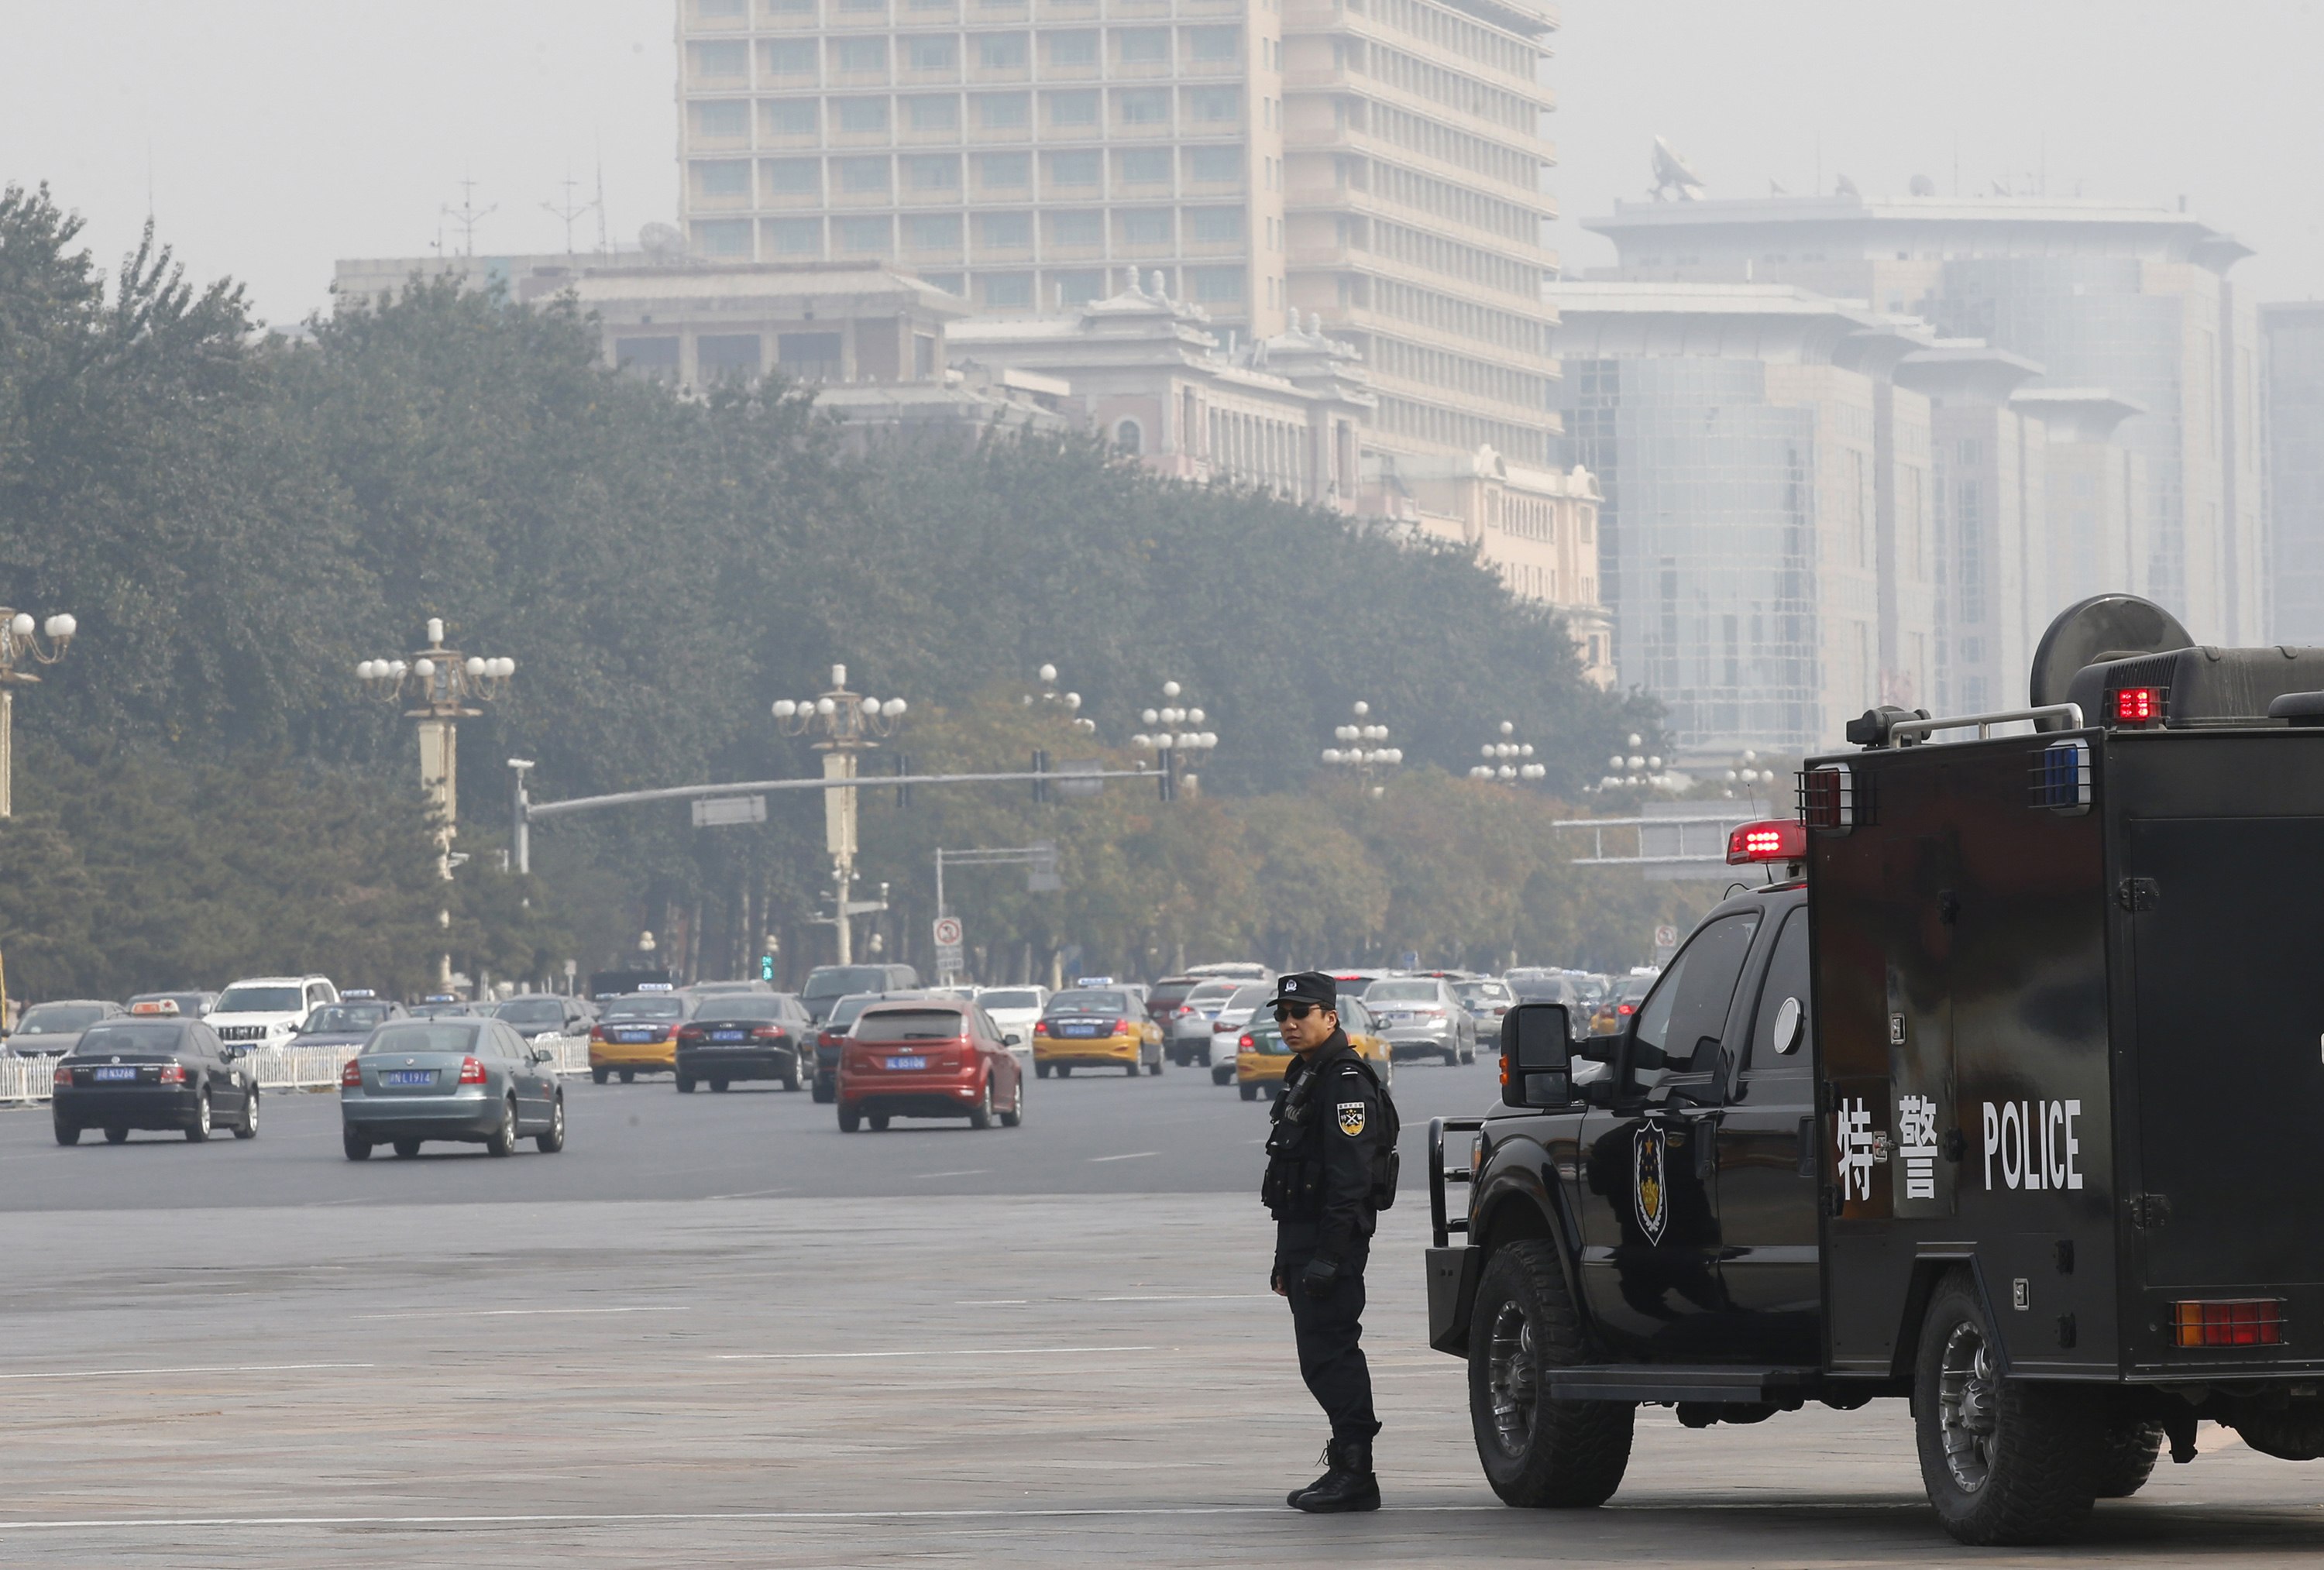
x=2137 y=705
x=1775 y=840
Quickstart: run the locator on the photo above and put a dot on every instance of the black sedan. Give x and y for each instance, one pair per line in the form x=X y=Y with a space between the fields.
x=152 y=1073
x=746 y=1035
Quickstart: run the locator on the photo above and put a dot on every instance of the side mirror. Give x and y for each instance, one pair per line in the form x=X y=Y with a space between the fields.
x=1536 y=1066
x=1013 y=1040
x=543 y=1055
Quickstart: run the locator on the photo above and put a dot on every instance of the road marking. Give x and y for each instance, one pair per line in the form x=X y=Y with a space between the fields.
x=1175 y=1298
x=990 y=1302
x=1127 y=1156
x=526 y=1313
x=929 y=1352
x=756 y=1194
x=964 y=1172
x=211 y=1368
x=647 y=1518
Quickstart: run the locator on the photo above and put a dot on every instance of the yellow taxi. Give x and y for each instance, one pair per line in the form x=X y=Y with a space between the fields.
x=1262 y=1059
x=1095 y=1026
x=636 y=1033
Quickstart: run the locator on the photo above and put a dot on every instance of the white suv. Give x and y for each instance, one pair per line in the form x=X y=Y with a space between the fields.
x=262 y=1011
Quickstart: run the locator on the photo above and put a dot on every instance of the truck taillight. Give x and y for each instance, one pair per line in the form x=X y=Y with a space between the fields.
x=351 y=1077
x=472 y=1072
x=173 y=1074
x=2228 y=1322
x=2137 y=705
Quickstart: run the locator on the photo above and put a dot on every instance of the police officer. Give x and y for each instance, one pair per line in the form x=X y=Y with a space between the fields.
x=1330 y=1165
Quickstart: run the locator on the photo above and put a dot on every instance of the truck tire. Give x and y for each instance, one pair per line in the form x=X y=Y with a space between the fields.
x=2294 y=1433
x=1536 y=1452
x=2004 y=1462
x=2126 y=1457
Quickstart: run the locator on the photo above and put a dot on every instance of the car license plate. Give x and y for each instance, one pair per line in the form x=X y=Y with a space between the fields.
x=635 y=1036
x=725 y=1036
x=109 y=1073
x=1078 y=1030
x=907 y=1062
x=408 y=1077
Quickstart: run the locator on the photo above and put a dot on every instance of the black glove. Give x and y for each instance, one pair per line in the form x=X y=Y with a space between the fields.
x=1274 y=1277
x=1321 y=1279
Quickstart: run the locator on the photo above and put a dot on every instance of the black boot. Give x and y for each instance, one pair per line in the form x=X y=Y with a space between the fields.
x=1330 y=1460
x=1349 y=1485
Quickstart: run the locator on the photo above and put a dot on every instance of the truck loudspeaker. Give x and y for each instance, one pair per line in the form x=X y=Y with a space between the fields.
x=2101 y=628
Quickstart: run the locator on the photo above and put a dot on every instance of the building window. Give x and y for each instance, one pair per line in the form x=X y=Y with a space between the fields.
x=1076 y=229
x=789 y=56
x=1078 y=286
x=866 y=236
x=1212 y=45
x=727 y=356
x=1145 y=226
x=655 y=357
x=1215 y=285
x=1001 y=52
x=862 y=8
x=1004 y=171
x=932 y=231
x=1129 y=437
x=1074 y=168
x=1146 y=166
x=1072 y=108
x=1072 y=49
x=1007 y=290
x=723 y=118
x=1003 y=111
x=924 y=356
x=1216 y=165
x=1004 y=231
x=1141 y=46
x=1215 y=223
x=792 y=176
x=950 y=282
x=791 y=7
x=795 y=236
x=859 y=54
x=862 y=176
x=720 y=10
x=935 y=114
x=810 y=356
x=1143 y=105
x=788 y=117
x=723 y=237
x=862 y=116
x=932 y=54
x=725 y=58
x=933 y=172
x=725 y=176
x=1216 y=106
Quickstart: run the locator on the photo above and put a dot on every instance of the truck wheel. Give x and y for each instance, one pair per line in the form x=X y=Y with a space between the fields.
x=2004 y=1462
x=2294 y=1433
x=1537 y=1453
x=2126 y=1458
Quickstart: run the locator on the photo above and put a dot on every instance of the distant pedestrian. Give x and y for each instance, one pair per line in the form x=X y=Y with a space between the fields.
x=1331 y=1168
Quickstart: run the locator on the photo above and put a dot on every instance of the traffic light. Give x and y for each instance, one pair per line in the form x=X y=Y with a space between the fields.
x=766 y=967
x=903 y=767
x=1168 y=784
x=1041 y=776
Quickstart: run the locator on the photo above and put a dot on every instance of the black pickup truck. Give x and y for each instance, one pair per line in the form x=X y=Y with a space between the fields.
x=2003 y=1095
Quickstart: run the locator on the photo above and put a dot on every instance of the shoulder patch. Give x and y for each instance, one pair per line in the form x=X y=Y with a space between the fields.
x=1351 y=1117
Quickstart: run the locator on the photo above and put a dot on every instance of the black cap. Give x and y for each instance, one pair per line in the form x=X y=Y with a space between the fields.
x=1312 y=986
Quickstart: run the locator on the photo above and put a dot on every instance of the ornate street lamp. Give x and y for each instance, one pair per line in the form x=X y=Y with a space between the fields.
x=1049 y=697
x=845 y=724
x=440 y=683
x=1370 y=752
x=18 y=645
x=1177 y=748
x=1508 y=761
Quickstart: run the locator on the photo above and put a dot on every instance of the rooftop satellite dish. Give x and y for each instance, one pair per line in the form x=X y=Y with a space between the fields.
x=1673 y=174
x=1923 y=185
x=2103 y=627
x=660 y=240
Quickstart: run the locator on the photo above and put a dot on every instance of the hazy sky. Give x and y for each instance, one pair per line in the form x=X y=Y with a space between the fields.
x=274 y=136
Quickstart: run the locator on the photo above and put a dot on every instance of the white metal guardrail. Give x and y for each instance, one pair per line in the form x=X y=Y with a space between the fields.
x=279 y=1068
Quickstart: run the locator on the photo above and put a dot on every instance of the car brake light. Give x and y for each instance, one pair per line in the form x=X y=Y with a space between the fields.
x=1626 y=1008
x=63 y=1075
x=351 y=1077
x=472 y=1072
x=1246 y=1041
x=1040 y=1027
x=596 y=1033
x=1121 y=1027
x=2233 y=1322
x=173 y=1074
x=1777 y=839
x=2138 y=705
x=769 y=1032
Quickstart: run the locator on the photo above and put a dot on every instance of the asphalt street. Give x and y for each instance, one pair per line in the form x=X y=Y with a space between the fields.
x=974 y=1349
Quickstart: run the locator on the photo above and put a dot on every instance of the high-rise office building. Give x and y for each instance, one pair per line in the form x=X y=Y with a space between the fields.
x=2108 y=298
x=1379 y=163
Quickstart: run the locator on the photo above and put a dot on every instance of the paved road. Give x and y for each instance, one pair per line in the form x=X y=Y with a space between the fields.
x=1092 y=1134
x=267 y=1356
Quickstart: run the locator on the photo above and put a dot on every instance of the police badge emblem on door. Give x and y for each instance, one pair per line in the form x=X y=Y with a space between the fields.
x=1648 y=1166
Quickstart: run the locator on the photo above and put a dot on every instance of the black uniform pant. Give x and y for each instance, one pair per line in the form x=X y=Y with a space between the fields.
x=1328 y=1330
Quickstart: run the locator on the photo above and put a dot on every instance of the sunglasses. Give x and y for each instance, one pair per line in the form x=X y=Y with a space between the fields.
x=1283 y=1010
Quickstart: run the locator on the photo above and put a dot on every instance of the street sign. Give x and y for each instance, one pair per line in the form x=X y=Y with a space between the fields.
x=716 y=812
x=948 y=932
x=1665 y=937
x=1089 y=768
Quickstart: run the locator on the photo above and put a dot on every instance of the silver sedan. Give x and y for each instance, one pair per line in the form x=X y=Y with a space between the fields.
x=468 y=1080
x=1421 y=1017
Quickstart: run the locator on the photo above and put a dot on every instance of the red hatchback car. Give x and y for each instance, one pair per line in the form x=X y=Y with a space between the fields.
x=930 y=1059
